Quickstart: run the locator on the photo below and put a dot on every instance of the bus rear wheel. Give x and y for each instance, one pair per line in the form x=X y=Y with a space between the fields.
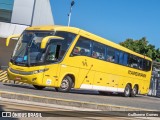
x=66 y=84
x=127 y=91
x=134 y=91
x=39 y=87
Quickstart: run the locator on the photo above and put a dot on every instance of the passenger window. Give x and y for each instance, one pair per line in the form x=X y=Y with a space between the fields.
x=125 y=59
x=117 y=53
x=140 y=63
x=133 y=61
x=82 y=47
x=121 y=57
x=146 y=65
x=111 y=54
x=98 y=51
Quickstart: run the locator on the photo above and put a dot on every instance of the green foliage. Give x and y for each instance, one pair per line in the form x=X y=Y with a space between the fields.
x=143 y=47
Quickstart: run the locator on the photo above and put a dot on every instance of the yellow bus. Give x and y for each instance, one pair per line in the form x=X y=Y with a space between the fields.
x=67 y=57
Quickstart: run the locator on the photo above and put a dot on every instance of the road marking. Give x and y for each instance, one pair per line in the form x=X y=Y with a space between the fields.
x=4 y=79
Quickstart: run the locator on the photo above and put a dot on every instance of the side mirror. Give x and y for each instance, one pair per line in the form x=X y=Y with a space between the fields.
x=48 y=38
x=11 y=37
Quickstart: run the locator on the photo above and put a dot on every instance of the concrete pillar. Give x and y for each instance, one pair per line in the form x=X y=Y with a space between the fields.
x=6 y=52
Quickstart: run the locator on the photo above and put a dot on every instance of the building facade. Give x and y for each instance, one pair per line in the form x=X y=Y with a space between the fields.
x=16 y=16
x=6 y=7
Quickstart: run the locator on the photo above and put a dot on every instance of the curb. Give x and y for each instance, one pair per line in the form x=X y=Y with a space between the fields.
x=65 y=102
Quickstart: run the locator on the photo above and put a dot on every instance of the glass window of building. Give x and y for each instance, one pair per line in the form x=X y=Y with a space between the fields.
x=6 y=7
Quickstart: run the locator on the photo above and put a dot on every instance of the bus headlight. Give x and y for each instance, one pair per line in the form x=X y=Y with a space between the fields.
x=40 y=71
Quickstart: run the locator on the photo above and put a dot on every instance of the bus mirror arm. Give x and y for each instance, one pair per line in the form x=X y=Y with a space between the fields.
x=11 y=37
x=47 y=39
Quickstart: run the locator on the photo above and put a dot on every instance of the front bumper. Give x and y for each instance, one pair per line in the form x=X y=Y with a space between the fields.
x=36 y=79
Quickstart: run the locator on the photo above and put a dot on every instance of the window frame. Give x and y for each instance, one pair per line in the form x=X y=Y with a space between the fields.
x=125 y=56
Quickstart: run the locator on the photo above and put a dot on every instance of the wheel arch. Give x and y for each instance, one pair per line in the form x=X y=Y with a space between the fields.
x=129 y=84
x=72 y=76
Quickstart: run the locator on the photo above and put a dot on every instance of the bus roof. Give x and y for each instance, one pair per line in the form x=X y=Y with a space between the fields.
x=55 y=28
x=90 y=35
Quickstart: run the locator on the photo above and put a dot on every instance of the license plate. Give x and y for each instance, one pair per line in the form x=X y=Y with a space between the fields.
x=18 y=78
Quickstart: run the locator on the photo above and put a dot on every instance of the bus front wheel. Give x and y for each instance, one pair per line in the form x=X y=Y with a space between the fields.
x=134 y=91
x=66 y=84
x=127 y=91
x=38 y=87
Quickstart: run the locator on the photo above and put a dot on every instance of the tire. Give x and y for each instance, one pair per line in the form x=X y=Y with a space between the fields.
x=39 y=87
x=134 y=91
x=104 y=93
x=56 y=89
x=66 y=84
x=127 y=91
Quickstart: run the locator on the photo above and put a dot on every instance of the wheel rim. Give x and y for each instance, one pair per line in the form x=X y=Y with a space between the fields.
x=65 y=84
x=127 y=91
x=134 y=90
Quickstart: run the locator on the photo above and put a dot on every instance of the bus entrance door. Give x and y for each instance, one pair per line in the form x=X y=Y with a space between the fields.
x=50 y=75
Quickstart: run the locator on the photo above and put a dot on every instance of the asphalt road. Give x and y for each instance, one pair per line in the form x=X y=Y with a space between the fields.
x=140 y=101
x=19 y=110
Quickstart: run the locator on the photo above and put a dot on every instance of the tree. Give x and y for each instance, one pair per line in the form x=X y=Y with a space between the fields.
x=158 y=55
x=143 y=47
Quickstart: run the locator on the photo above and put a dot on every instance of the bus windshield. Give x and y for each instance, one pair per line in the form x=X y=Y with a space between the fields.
x=28 y=52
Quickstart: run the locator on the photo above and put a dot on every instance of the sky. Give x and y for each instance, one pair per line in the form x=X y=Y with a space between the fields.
x=115 y=20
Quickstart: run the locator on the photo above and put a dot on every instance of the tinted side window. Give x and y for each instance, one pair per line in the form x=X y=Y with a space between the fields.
x=82 y=47
x=110 y=54
x=149 y=63
x=133 y=61
x=121 y=59
x=125 y=59
x=140 y=63
x=98 y=51
x=146 y=65
x=117 y=53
